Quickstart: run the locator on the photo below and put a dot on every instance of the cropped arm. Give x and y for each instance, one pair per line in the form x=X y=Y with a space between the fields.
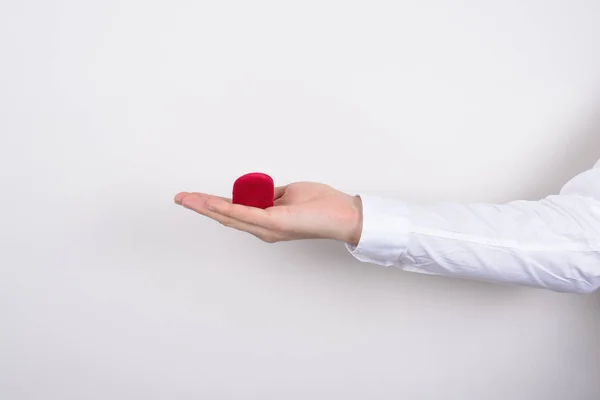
x=553 y=243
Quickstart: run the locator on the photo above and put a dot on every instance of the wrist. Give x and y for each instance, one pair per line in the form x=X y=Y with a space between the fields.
x=355 y=232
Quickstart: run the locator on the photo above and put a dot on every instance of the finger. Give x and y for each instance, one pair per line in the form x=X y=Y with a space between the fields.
x=210 y=205
x=197 y=201
x=209 y=196
x=198 y=204
x=279 y=191
x=249 y=215
x=180 y=196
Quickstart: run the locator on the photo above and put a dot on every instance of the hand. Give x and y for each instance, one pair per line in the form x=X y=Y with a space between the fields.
x=302 y=210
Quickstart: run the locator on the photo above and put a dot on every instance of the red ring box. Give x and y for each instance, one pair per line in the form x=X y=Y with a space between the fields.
x=254 y=190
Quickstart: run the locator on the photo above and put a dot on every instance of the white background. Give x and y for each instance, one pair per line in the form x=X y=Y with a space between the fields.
x=109 y=108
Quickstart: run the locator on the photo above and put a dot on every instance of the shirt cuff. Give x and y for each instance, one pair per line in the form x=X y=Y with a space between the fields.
x=385 y=231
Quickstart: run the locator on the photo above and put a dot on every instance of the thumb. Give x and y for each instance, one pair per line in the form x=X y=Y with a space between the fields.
x=279 y=192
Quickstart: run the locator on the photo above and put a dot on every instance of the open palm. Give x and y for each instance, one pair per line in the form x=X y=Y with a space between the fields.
x=301 y=210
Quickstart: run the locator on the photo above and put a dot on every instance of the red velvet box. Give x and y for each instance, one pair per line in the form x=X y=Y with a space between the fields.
x=254 y=190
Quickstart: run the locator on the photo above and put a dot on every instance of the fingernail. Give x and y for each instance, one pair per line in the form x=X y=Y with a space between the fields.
x=180 y=197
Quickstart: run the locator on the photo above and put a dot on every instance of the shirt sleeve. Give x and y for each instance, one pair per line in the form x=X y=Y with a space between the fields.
x=553 y=243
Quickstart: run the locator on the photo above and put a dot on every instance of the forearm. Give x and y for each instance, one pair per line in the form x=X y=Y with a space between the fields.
x=552 y=244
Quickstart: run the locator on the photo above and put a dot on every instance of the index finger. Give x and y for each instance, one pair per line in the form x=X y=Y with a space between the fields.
x=249 y=215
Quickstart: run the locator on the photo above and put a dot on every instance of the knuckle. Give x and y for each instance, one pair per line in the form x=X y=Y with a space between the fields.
x=277 y=237
x=270 y=238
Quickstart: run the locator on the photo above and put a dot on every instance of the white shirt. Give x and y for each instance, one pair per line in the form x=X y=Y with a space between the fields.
x=553 y=243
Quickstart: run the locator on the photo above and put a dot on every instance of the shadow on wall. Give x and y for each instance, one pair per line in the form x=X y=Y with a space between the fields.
x=579 y=154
